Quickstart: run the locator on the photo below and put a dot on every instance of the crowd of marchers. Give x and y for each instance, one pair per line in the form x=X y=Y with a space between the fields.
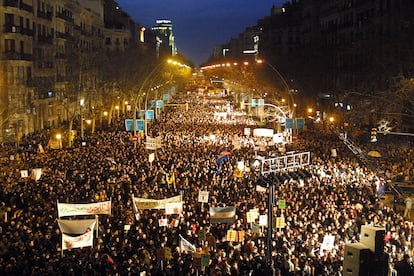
x=336 y=197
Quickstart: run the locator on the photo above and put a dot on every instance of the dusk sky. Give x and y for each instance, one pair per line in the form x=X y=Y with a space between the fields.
x=199 y=25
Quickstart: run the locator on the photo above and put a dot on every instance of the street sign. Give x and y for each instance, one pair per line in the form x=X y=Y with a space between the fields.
x=140 y=125
x=134 y=138
x=149 y=115
x=254 y=102
x=289 y=123
x=300 y=123
x=159 y=103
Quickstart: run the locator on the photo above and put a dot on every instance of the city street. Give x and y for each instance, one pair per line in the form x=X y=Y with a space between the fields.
x=193 y=203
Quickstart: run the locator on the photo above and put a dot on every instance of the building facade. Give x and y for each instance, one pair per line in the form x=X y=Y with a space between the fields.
x=335 y=46
x=48 y=58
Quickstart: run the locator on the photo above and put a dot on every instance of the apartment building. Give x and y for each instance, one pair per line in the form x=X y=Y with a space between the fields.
x=48 y=59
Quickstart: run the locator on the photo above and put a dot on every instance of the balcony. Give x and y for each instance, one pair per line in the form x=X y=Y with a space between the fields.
x=28 y=57
x=64 y=36
x=11 y=29
x=17 y=56
x=45 y=15
x=11 y=3
x=45 y=39
x=60 y=78
x=65 y=17
x=26 y=7
x=60 y=56
x=26 y=31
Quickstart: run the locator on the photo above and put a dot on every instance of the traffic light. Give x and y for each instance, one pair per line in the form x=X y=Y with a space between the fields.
x=374 y=135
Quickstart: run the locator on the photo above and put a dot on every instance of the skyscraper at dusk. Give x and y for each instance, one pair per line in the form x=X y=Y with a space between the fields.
x=164 y=37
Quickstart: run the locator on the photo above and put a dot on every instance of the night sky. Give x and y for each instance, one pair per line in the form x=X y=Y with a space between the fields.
x=199 y=25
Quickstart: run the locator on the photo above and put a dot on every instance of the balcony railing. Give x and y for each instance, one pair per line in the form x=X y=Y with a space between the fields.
x=46 y=15
x=65 y=17
x=45 y=39
x=11 y=29
x=17 y=29
x=64 y=36
x=60 y=78
x=11 y=3
x=17 y=56
x=26 y=7
x=60 y=56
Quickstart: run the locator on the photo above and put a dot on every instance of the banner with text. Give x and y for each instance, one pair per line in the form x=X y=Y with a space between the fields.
x=75 y=209
x=145 y=203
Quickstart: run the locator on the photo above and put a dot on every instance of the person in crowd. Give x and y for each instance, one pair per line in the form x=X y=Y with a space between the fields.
x=336 y=196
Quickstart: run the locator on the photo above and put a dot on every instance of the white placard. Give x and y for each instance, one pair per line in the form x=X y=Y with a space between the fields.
x=163 y=222
x=263 y=220
x=327 y=244
x=203 y=196
x=151 y=157
x=247 y=131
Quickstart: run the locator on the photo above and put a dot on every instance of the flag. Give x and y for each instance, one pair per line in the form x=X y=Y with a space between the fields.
x=171 y=179
x=222 y=214
x=238 y=173
x=224 y=156
x=186 y=245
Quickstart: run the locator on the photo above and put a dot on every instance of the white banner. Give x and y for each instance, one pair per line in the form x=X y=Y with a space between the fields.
x=173 y=208
x=263 y=132
x=78 y=226
x=84 y=240
x=75 y=209
x=145 y=203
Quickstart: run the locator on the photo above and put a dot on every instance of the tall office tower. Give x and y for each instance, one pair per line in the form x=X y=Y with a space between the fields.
x=164 y=37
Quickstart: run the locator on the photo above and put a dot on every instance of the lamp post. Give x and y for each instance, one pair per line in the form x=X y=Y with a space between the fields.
x=288 y=90
x=271 y=166
x=81 y=104
x=139 y=97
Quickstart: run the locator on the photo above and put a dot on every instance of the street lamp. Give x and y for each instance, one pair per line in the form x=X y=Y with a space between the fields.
x=81 y=103
x=59 y=138
x=271 y=167
x=288 y=90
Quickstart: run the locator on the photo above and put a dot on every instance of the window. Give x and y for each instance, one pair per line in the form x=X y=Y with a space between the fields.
x=9 y=20
x=9 y=45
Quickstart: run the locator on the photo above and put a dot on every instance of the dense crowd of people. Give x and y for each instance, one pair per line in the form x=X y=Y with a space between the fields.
x=336 y=197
